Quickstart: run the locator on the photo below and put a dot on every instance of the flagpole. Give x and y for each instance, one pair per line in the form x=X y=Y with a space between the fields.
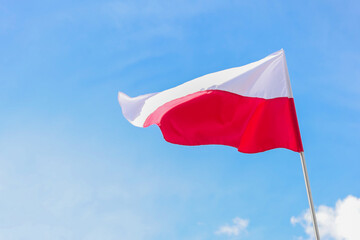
x=307 y=184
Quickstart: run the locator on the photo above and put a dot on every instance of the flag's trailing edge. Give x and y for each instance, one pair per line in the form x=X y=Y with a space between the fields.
x=249 y=107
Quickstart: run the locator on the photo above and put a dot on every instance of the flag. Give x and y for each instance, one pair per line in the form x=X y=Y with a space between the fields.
x=250 y=108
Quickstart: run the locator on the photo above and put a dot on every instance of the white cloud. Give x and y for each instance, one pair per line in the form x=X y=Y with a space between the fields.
x=239 y=226
x=339 y=223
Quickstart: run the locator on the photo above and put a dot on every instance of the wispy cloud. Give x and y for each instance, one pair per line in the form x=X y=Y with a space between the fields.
x=55 y=192
x=154 y=19
x=161 y=9
x=338 y=223
x=239 y=226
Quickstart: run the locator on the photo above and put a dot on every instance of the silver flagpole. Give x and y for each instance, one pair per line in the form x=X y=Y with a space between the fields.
x=306 y=177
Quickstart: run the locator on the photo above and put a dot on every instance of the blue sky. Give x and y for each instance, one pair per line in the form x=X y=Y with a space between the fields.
x=71 y=166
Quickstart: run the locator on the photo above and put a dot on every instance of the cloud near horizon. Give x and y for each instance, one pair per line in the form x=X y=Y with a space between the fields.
x=338 y=223
x=239 y=226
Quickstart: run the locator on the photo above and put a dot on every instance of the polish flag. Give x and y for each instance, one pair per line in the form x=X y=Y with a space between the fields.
x=250 y=108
